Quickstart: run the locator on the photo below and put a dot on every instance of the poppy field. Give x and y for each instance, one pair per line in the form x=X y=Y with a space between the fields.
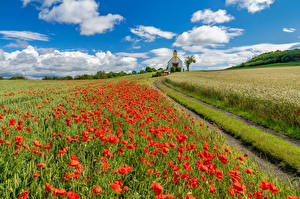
x=118 y=138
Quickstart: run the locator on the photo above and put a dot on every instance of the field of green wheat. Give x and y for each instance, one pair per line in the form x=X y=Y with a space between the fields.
x=268 y=96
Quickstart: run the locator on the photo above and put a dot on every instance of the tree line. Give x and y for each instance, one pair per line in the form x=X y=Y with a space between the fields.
x=98 y=75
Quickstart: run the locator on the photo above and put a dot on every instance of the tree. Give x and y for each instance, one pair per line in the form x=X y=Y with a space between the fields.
x=68 y=78
x=1 y=78
x=47 y=78
x=133 y=72
x=100 y=75
x=17 y=78
x=188 y=61
x=148 y=69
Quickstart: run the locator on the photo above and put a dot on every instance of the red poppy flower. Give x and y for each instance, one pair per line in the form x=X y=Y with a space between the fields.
x=190 y=197
x=97 y=190
x=72 y=195
x=24 y=194
x=157 y=188
x=292 y=197
x=212 y=189
x=117 y=186
x=41 y=164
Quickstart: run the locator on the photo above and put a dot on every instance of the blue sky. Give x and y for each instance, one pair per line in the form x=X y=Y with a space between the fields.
x=71 y=37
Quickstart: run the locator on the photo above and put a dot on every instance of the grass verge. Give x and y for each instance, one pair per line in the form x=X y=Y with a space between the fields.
x=277 y=149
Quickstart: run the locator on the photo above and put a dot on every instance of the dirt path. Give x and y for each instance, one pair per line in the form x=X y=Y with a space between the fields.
x=260 y=159
x=250 y=123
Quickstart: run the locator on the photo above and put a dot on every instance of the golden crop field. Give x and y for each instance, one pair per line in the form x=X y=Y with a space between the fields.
x=272 y=93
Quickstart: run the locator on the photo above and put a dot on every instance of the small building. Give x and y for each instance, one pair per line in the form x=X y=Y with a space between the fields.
x=175 y=61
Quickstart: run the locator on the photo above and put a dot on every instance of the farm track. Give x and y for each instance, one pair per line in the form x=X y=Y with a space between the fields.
x=262 y=161
x=250 y=123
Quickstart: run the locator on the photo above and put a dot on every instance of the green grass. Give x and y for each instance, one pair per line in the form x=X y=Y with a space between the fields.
x=278 y=149
x=265 y=66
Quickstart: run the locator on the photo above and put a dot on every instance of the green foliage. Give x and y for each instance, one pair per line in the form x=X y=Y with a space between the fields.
x=1 y=78
x=157 y=74
x=17 y=78
x=68 y=78
x=47 y=78
x=188 y=61
x=85 y=76
x=100 y=75
x=149 y=69
x=273 y=57
x=175 y=69
x=133 y=72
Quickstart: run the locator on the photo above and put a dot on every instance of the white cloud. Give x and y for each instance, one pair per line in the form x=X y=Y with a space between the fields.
x=161 y=57
x=45 y=3
x=207 y=16
x=288 y=29
x=207 y=35
x=136 y=55
x=136 y=47
x=36 y=63
x=150 y=33
x=82 y=12
x=17 y=44
x=252 y=5
x=99 y=24
x=212 y=59
x=24 y=35
x=129 y=38
x=208 y=58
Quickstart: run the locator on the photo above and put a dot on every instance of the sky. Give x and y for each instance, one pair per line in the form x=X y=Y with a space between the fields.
x=73 y=37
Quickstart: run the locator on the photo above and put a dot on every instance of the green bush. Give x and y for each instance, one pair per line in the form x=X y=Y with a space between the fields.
x=157 y=74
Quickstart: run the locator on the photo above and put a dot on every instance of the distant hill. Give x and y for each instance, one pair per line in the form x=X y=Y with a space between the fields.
x=276 y=58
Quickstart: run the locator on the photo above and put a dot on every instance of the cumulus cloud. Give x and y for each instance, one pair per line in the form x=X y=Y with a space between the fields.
x=160 y=57
x=36 y=63
x=208 y=16
x=253 y=6
x=288 y=29
x=129 y=38
x=212 y=59
x=219 y=59
x=24 y=35
x=206 y=35
x=82 y=12
x=150 y=33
